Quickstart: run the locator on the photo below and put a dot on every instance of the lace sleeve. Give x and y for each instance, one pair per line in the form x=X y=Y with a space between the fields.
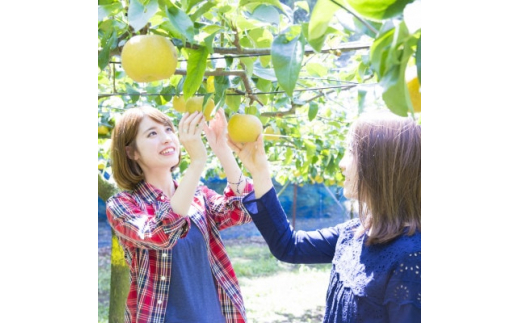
x=403 y=292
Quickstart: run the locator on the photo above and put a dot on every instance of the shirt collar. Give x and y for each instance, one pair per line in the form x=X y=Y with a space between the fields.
x=149 y=192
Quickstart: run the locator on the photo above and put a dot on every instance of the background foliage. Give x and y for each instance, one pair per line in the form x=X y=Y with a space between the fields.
x=306 y=68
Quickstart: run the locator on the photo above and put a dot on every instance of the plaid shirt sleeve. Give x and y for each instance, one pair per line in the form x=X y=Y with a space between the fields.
x=227 y=209
x=145 y=226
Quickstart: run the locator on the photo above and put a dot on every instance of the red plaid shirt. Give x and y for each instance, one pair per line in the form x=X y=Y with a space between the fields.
x=148 y=229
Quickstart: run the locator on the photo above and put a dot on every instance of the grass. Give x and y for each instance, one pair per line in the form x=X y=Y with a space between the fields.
x=273 y=291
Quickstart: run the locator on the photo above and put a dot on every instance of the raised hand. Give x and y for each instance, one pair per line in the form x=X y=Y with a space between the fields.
x=190 y=129
x=252 y=155
x=216 y=133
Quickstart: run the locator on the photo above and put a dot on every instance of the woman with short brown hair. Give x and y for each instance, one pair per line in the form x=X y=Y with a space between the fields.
x=169 y=230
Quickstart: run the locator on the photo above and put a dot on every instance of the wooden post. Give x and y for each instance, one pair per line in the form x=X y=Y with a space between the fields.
x=119 y=283
x=119 y=271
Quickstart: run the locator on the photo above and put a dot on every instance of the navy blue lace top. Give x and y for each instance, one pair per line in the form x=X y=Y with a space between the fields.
x=370 y=284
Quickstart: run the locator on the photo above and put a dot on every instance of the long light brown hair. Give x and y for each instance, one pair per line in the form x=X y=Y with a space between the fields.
x=387 y=153
x=127 y=173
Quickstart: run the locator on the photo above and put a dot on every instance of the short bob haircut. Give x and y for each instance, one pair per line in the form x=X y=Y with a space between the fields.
x=127 y=173
x=387 y=154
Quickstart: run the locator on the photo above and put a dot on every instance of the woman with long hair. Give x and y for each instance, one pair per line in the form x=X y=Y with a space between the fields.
x=376 y=257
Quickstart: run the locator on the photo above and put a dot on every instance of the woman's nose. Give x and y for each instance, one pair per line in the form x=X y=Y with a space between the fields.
x=167 y=138
x=342 y=164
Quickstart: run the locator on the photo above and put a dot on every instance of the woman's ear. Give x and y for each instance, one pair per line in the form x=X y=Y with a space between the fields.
x=130 y=153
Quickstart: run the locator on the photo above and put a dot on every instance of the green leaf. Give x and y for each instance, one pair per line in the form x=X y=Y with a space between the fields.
x=163 y=4
x=331 y=165
x=109 y=10
x=134 y=94
x=246 y=42
x=138 y=15
x=233 y=102
x=195 y=71
x=264 y=85
x=263 y=120
x=158 y=100
x=393 y=81
x=282 y=102
x=261 y=37
x=310 y=147
x=107 y=42
x=313 y=110
x=266 y=14
x=210 y=29
x=392 y=92
x=395 y=91
x=116 y=24
x=335 y=124
x=265 y=60
x=192 y=3
x=379 y=52
x=362 y=93
x=202 y=10
x=362 y=71
x=152 y=87
x=178 y=38
x=221 y=85
x=248 y=63
x=287 y=57
x=380 y=9
x=245 y=24
x=181 y=23
x=316 y=43
x=180 y=85
x=106 y=2
x=293 y=32
x=320 y=18
x=229 y=61
x=401 y=35
x=264 y=73
x=288 y=156
x=275 y=3
x=166 y=92
x=225 y=9
x=316 y=69
x=208 y=41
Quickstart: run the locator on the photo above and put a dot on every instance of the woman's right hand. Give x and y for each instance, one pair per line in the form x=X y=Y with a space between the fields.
x=190 y=129
x=252 y=155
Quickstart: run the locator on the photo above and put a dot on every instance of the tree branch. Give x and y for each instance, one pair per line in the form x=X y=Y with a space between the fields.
x=351 y=46
x=216 y=72
x=237 y=92
x=245 y=80
x=114 y=79
x=279 y=114
x=346 y=86
x=292 y=110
